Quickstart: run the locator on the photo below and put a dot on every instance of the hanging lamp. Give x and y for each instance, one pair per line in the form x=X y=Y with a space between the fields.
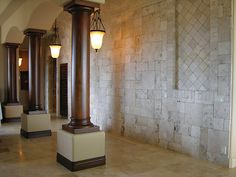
x=55 y=45
x=97 y=31
x=20 y=59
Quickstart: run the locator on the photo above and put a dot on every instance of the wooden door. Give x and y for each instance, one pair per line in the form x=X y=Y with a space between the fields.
x=64 y=89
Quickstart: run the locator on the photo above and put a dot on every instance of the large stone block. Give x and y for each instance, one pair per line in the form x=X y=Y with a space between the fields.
x=217 y=141
x=190 y=145
x=147 y=80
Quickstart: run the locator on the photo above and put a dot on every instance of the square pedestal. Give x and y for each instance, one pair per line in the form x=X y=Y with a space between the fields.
x=35 y=125
x=80 y=151
x=12 y=112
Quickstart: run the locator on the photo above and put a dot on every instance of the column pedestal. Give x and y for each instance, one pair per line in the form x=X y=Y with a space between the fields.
x=80 y=143
x=35 y=124
x=12 y=112
x=85 y=150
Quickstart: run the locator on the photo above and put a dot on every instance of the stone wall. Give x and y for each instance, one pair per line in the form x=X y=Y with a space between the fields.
x=163 y=73
x=64 y=24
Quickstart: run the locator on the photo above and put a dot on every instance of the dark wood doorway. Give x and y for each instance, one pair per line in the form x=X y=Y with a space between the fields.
x=63 y=90
x=54 y=86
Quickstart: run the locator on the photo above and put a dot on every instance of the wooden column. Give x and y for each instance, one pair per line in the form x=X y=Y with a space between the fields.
x=34 y=36
x=11 y=72
x=80 y=79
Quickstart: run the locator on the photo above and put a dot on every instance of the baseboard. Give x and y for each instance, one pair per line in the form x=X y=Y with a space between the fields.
x=35 y=134
x=232 y=162
x=80 y=165
x=13 y=119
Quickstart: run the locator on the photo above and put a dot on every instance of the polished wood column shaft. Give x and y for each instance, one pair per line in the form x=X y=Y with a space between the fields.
x=34 y=36
x=11 y=72
x=80 y=67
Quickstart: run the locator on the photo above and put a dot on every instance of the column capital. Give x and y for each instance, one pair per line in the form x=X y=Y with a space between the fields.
x=34 y=32
x=80 y=5
x=11 y=45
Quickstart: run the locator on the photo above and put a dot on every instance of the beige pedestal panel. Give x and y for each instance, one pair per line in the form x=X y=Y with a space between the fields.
x=80 y=151
x=232 y=162
x=13 y=111
x=35 y=125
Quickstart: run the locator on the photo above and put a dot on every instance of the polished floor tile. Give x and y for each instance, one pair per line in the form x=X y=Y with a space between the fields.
x=20 y=157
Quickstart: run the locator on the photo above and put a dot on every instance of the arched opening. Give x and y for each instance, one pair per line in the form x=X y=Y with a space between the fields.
x=44 y=15
x=14 y=35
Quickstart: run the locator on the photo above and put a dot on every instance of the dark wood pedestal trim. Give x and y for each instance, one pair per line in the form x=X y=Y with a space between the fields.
x=13 y=119
x=88 y=129
x=80 y=165
x=35 y=134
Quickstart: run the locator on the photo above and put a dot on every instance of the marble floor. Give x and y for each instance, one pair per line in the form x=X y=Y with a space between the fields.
x=21 y=157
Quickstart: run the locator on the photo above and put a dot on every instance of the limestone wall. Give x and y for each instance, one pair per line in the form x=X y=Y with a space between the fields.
x=64 y=23
x=163 y=73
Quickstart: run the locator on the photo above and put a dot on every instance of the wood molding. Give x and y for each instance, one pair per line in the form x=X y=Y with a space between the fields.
x=37 y=112
x=35 y=134
x=80 y=130
x=13 y=104
x=8 y=44
x=13 y=119
x=31 y=31
x=80 y=165
x=82 y=3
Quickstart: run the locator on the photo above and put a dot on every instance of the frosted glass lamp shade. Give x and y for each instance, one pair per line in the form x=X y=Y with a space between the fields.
x=96 y=39
x=55 y=50
x=20 y=61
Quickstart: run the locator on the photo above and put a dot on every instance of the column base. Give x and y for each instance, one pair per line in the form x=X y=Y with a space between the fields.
x=82 y=151
x=35 y=125
x=12 y=112
x=84 y=129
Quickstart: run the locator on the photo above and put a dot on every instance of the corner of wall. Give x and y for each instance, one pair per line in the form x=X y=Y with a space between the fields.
x=232 y=162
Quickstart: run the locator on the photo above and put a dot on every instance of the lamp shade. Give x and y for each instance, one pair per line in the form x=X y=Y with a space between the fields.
x=55 y=50
x=96 y=37
x=97 y=31
x=20 y=61
x=55 y=45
